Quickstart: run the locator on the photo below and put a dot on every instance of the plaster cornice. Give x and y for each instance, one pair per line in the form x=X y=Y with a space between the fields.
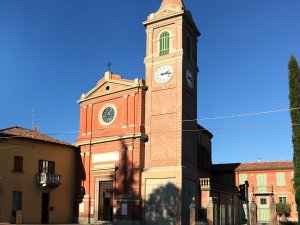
x=87 y=98
x=110 y=139
x=155 y=20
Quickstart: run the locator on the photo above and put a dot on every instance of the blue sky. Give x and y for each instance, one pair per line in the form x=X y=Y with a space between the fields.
x=52 y=51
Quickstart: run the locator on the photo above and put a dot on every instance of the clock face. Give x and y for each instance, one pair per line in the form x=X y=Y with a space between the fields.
x=189 y=78
x=108 y=115
x=163 y=74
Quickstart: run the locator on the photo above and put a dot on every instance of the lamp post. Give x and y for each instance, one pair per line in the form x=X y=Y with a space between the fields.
x=247 y=202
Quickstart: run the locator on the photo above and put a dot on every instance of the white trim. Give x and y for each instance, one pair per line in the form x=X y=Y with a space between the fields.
x=106 y=157
x=100 y=114
x=165 y=168
x=128 y=86
x=115 y=138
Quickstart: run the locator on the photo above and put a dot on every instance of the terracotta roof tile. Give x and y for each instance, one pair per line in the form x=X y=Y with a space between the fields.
x=253 y=166
x=265 y=166
x=31 y=134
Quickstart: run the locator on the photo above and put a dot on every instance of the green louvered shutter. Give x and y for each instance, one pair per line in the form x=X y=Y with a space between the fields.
x=262 y=182
x=242 y=178
x=164 y=43
x=280 y=179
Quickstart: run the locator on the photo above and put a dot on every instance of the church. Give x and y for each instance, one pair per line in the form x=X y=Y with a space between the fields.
x=144 y=158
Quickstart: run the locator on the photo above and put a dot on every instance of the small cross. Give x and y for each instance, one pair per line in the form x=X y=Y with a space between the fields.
x=109 y=65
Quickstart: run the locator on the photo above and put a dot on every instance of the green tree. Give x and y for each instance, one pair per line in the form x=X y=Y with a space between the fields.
x=283 y=210
x=294 y=96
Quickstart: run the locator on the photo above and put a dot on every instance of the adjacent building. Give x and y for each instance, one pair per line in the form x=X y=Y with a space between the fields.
x=268 y=182
x=37 y=178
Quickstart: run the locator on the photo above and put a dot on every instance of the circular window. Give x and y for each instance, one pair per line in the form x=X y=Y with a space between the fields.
x=107 y=88
x=107 y=114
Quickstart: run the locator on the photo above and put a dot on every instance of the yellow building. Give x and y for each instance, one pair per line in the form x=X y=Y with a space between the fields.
x=37 y=178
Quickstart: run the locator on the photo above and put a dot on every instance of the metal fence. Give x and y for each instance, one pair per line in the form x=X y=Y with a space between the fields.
x=225 y=215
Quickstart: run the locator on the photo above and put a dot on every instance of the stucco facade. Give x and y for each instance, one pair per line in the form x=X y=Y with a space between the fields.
x=38 y=178
x=268 y=181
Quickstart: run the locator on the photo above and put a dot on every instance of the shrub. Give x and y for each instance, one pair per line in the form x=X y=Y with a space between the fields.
x=283 y=209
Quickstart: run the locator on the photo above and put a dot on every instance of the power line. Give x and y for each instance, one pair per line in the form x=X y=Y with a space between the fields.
x=244 y=127
x=218 y=128
x=244 y=115
x=65 y=132
x=201 y=119
x=193 y=130
x=192 y=120
x=187 y=130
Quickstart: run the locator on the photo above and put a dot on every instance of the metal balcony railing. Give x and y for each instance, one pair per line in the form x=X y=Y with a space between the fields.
x=262 y=189
x=50 y=179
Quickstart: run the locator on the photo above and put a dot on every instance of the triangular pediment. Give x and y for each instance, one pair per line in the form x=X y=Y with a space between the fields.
x=109 y=84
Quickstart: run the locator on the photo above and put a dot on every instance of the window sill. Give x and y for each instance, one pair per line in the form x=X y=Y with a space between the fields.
x=13 y=171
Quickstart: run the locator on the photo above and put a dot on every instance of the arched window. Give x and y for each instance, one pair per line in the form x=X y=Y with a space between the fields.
x=188 y=47
x=164 y=43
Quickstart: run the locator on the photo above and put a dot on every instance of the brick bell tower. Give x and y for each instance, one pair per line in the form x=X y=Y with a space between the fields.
x=170 y=179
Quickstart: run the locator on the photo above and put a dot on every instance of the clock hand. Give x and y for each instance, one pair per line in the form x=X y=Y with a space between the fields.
x=166 y=73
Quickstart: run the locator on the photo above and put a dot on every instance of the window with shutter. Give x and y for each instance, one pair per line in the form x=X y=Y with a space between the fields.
x=280 y=179
x=46 y=166
x=282 y=199
x=164 y=43
x=242 y=178
x=51 y=168
x=262 y=182
x=18 y=164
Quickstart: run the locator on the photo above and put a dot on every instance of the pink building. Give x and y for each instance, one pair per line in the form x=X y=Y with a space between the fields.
x=267 y=181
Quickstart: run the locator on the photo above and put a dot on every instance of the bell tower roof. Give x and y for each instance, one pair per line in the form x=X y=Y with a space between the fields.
x=172 y=2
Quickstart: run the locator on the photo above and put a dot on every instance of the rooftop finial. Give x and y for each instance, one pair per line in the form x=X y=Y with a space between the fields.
x=172 y=2
x=109 y=66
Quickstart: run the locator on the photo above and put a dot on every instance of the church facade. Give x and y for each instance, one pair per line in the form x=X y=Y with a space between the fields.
x=142 y=152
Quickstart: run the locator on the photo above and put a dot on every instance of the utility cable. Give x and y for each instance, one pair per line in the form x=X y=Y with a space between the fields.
x=192 y=120
x=243 y=115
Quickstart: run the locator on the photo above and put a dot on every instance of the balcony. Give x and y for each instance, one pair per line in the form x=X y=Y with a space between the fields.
x=49 y=179
x=262 y=190
x=207 y=184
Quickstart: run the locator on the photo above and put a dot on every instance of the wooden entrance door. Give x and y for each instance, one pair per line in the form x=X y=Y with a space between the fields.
x=105 y=207
x=45 y=207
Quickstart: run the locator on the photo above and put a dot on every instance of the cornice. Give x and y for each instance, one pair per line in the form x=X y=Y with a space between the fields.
x=155 y=20
x=110 y=139
x=143 y=87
